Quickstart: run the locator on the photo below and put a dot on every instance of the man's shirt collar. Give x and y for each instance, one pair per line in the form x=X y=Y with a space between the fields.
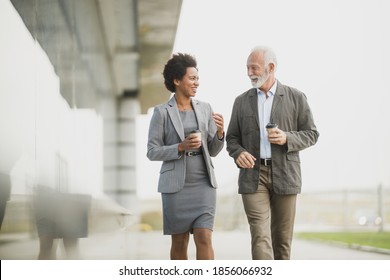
x=272 y=90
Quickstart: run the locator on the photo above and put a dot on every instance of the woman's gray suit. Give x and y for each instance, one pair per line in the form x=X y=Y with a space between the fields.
x=166 y=132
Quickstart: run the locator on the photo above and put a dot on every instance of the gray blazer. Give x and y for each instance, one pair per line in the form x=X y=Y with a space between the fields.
x=292 y=113
x=166 y=132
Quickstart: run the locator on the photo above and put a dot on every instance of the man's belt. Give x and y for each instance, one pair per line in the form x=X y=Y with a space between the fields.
x=266 y=161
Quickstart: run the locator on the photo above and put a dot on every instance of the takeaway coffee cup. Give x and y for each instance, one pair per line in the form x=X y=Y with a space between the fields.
x=197 y=133
x=270 y=127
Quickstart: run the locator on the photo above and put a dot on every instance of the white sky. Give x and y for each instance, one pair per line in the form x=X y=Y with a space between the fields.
x=335 y=51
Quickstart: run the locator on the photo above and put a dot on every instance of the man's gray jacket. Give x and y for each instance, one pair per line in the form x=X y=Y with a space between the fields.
x=292 y=113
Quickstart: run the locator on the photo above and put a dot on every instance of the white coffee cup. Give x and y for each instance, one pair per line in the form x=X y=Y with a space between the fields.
x=197 y=133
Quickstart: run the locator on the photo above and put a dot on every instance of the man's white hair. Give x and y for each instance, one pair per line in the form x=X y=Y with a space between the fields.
x=269 y=55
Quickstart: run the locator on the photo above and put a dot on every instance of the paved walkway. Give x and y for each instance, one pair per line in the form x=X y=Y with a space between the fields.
x=228 y=245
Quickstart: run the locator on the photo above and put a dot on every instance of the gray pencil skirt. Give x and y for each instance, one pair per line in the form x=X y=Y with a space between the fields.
x=193 y=206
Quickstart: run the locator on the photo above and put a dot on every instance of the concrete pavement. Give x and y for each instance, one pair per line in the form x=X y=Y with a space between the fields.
x=153 y=245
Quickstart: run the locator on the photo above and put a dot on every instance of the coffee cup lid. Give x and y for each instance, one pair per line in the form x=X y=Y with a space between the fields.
x=271 y=125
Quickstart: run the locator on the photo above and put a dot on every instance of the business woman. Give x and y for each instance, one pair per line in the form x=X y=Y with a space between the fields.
x=187 y=181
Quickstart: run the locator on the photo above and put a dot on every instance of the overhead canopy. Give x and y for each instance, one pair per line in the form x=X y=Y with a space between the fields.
x=103 y=48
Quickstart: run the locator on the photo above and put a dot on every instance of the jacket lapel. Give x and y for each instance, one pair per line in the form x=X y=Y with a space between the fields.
x=200 y=115
x=254 y=104
x=173 y=113
x=277 y=99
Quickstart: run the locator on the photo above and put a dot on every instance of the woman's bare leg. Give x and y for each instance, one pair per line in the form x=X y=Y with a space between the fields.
x=179 y=246
x=203 y=243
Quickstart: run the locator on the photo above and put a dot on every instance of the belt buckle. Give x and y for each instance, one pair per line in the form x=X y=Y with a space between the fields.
x=190 y=154
x=266 y=160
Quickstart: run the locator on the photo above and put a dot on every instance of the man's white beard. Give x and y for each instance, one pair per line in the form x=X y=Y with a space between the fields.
x=260 y=80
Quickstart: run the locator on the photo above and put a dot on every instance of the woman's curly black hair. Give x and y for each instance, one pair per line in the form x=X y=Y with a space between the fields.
x=176 y=68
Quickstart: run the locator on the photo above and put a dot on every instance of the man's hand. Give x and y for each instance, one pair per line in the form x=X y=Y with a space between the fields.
x=245 y=160
x=277 y=136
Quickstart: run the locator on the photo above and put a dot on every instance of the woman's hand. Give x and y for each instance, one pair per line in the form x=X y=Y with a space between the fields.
x=192 y=142
x=218 y=118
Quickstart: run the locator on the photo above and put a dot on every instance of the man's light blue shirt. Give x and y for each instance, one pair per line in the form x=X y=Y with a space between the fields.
x=265 y=107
